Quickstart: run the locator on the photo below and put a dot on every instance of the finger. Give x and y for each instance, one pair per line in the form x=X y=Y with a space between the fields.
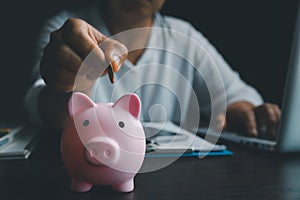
x=262 y=126
x=250 y=123
x=57 y=53
x=98 y=68
x=61 y=76
x=220 y=122
x=277 y=112
x=272 y=122
x=115 y=53
x=57 y=69
x=84 y=40
x=269 y=116
x=61 y=48
x=61 y=54
x=261 y=121
x=81 y=36
x=53 y=73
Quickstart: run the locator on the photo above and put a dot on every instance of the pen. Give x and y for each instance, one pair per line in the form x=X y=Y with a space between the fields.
x=110 y=74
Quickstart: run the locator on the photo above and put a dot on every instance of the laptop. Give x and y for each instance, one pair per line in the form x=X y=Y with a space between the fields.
x=288 y=136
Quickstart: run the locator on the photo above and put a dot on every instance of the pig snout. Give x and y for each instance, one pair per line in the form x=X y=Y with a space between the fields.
x=101 y=151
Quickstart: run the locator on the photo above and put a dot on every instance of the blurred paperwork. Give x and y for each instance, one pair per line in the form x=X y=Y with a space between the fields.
x=17 y=141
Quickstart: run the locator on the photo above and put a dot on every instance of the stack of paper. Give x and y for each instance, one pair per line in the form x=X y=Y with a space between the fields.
x=17 y=141
x=168 y=139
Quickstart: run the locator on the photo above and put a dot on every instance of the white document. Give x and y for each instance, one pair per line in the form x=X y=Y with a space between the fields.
x=21 y=146
x=168 y=137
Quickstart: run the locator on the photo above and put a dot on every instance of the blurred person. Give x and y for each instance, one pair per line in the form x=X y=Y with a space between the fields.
x=69 y=37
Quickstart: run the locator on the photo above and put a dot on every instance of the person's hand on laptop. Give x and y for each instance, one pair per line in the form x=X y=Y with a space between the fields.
x=261 y=121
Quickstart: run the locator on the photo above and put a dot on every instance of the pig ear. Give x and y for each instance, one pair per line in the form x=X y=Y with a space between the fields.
x=130 y=102
x=79 y=102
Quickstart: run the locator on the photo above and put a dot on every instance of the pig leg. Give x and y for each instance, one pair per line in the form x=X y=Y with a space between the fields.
x=124 y=187
x=79 y=186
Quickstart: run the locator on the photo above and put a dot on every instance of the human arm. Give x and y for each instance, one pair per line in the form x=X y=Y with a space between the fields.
x=61 y=65
x=246 y=112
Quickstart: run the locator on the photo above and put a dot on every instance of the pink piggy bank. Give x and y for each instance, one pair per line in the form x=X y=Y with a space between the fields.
x=104 y=143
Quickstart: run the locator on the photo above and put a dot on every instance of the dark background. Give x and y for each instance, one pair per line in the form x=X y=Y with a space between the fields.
x=253 y=36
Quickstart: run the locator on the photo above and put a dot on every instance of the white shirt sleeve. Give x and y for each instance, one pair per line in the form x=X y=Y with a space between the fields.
x=235 y=88
x=31 y=97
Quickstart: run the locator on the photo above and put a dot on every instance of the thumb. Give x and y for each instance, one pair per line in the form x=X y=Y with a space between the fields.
x=115 y=53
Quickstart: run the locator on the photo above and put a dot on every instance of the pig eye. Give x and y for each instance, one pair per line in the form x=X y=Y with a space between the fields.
x=86 y=122
x=121 y=124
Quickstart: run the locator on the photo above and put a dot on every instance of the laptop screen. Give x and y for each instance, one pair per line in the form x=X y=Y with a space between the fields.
x=289 y=135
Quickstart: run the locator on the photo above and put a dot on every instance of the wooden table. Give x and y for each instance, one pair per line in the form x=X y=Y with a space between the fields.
x=248 y=174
